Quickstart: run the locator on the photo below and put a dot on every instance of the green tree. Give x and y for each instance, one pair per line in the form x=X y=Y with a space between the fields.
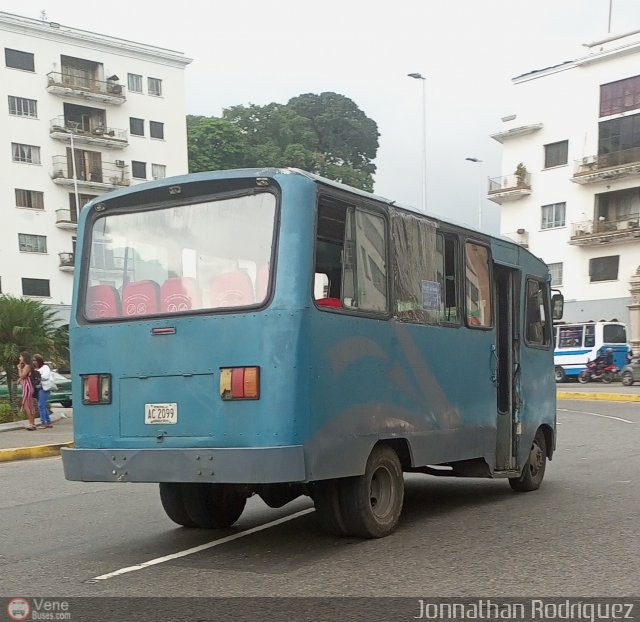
x=25 y=325
x=214 y=144
x=325 y=134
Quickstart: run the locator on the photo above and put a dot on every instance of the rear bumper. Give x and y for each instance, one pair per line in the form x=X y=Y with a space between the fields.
x=252 y=465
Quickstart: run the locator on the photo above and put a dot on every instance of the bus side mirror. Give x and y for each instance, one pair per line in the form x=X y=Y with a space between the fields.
x=557 y=306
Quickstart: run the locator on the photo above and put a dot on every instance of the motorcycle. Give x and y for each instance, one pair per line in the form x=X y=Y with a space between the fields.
x=593 y=372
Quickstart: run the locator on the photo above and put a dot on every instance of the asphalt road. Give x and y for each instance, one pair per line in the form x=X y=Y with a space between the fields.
x=578 y=535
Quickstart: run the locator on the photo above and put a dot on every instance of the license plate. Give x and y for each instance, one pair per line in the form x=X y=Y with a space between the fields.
x=161 y=413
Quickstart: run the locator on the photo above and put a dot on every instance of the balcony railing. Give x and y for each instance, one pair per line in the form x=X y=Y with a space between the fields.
x=104 y=175
x=85 y=86
x=598 y=231
x=607 y=166
x=509 y=187
x=99 y=133
x=66 y=262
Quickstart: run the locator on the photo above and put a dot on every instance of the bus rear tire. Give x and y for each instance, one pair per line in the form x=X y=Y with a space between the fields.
x=533 y=471
x=173 y=504
x=560 y=375
x=372 y=503
x=214 y=506
x=326 y=498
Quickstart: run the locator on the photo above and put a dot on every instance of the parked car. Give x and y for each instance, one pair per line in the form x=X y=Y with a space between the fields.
x=61 y=395
x=631 y=373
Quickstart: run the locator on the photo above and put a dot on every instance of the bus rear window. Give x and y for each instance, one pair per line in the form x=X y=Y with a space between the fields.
x=207 y=255
x=614 y=333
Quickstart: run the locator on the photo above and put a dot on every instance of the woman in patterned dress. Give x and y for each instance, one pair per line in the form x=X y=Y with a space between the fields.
x=25 y=365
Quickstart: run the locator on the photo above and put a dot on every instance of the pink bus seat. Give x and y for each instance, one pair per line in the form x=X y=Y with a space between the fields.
x=329 y=302
x=262 y=283
x=103 y=301
x=179 y=294
x=231 y=289
x=140 y=298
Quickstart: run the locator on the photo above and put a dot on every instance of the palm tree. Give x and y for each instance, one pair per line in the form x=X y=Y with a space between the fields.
x=25 y=325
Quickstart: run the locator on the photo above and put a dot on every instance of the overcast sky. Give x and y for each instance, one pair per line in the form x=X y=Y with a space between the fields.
x=246 y=51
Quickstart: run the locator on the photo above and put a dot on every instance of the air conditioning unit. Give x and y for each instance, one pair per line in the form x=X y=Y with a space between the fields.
x=589 y=160
x=118 y=262
x=521 y=231
x=120 y=163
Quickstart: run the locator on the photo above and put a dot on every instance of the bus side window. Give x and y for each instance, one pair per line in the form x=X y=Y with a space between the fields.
x=537 y=325
x=478 y=286
x=589 y=335
x=448 y=276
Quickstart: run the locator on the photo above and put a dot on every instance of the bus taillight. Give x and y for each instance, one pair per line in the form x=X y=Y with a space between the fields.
x=240 y=383
x=96 y=388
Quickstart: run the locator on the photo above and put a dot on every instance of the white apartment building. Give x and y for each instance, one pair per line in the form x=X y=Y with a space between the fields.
x=570 y=188
x=114 y=108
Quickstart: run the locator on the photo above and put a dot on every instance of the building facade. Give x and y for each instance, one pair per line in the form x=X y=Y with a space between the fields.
x=84 y=114
x=570 y=189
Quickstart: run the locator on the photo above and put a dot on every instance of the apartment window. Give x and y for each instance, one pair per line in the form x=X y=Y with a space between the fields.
x=25 y=153
x=604 y=268
x=36 y=287
x=28 y=243
x=139 y=169
x=18 y=59
x=158 y=171
x=134 y=83
x=555 y=270
x=29 y=198
x=556 y=154
x=0 y=285
x=553 y=216
x=83 y=199
x=21 y=107
x=617 y=97
x=136 y=126
x=619 y=141
x=154 y=86
x=156 y=129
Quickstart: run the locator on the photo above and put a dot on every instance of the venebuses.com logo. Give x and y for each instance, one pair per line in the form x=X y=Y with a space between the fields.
x=18 y=609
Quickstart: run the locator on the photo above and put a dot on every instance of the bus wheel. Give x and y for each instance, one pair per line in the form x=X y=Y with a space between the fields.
x=560 y=375
x=173 y=504
x=533 y=471
x=371 y=503
x=326 y=498
x=214 y=506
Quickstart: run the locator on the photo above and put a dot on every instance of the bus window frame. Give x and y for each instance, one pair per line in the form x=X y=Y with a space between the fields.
x=372 y=207
x=455 y=235
x=492 y=288
x=549 y=322
x=94 y=215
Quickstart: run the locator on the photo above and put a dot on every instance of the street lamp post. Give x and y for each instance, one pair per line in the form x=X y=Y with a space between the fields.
x=73 y=168
x=419 y=76
x=481 y=193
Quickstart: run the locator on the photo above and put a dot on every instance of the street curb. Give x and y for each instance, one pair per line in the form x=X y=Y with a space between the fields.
x=609 y=397
x=27 y=453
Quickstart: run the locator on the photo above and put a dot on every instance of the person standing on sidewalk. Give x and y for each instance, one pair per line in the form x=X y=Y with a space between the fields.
x=25 y=365
x=47 y=384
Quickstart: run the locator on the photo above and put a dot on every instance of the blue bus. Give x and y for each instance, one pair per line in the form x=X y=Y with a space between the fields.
x=582 y=342
x=272 y=332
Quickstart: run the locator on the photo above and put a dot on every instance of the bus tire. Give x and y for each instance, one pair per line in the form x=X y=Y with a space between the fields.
x=173 y=504
x=214 y=506
x=326 y=498
x=533 y=471
x=560 y=375
x=372 y=503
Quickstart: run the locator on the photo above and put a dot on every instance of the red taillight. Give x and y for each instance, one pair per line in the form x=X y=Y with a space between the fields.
x=240 y=383
x=96 y=388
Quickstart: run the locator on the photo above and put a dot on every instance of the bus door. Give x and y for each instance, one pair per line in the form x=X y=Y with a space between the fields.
x=506 y=364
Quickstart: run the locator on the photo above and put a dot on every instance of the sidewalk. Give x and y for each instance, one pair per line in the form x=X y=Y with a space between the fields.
x=16 y=443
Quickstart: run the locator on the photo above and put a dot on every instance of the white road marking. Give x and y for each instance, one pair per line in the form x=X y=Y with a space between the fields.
x=197 y=549
x=583 y=412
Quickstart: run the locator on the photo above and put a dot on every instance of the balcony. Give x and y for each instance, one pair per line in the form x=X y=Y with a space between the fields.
x=616 y=165
x=99 y=135
x=509 y=188
x=105 y=176
x=516 y=131
x=66 y=220
x=621 y=230
x=66 y=262
x=85 y=87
